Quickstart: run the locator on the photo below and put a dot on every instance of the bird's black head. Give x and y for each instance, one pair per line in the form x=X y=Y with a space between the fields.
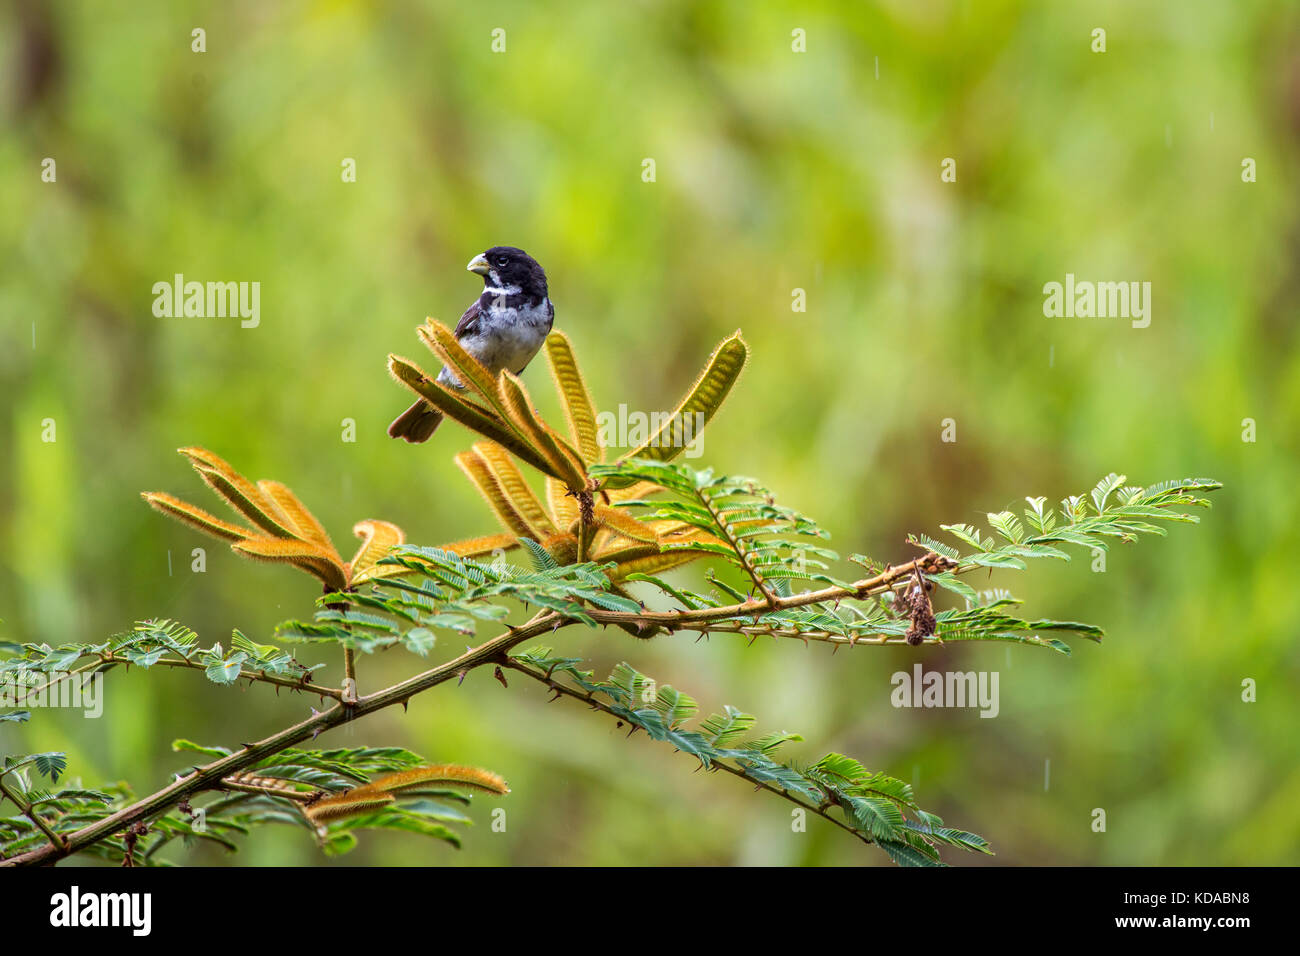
x=510 y=269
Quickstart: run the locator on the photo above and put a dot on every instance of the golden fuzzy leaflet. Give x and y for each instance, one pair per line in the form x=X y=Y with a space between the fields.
x=377 y=539
x=471 y=416
x=381 y=791
x=521 y=412
x=442 y=342
x=602 y=541
x=472 y=777
x=309 y=557
x=705 y=398
x=579 y=410
x=266 y=783
x=513 y=485
x=625 y=551
x=292 y=509
x=625 y=525
x=566 y=449
x=563 y=547
x=477 y=471
x=343 y=805
x=651 y=563
x=564 y=507
x=195 y=517
x=634 y=492
x=477 y=547
x=669 y=527
x=240 y=493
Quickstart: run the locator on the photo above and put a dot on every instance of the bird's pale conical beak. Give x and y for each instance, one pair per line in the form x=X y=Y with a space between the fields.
x=478 y=264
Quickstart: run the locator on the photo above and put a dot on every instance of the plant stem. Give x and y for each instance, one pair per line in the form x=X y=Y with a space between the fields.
x=349 y=696
x=209 y=776
x=302 y=796
x=738 y=546
x=67 y=675
x=349 y=677
x=261 y=677
x=715 y=765
x=928 y=564
x=495 y=650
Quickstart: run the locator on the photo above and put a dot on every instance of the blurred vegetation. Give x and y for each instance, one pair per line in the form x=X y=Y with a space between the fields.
x=775 y=171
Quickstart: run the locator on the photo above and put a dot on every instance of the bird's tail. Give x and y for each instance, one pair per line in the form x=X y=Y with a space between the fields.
x=417 y=423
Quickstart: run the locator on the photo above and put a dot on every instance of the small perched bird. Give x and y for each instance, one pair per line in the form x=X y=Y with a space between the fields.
x=503 y=329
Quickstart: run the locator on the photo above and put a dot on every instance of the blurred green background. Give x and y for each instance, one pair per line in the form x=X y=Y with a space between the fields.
x=775 y=170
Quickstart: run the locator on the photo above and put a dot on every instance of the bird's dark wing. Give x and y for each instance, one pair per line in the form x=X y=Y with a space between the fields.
x=468 y=323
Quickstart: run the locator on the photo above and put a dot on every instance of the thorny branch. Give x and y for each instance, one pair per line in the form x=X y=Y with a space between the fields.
x=213 y=776
x=564 y=691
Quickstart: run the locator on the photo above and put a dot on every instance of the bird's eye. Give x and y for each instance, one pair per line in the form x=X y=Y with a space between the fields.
x=502 y=260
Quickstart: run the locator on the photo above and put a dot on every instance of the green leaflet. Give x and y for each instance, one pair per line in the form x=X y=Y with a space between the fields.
x=741 y=518
x=763 y=539
x=875 y=806
x=430 y=812
x=456 y=593
x=1110 y=517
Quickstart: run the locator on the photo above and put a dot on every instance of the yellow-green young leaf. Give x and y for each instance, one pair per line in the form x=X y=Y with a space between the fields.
x=634 y=491
x=650 y=563
x=303 y=555
x=477 y=547
x=377 y=539
x=477 y=471
x=568 y=450
x=258 y=510
x=350 y=803
x=513 y=485
x=691 y=536
x=240 y=493
x=564 y=507
x=447 y=773
x=698 y=408
x=624 y=524
x=195 y=517
x=620 y=551
x=603 y=540
x=267 y=783
x=670 y=530
x=631 y=559
x=579 y=410
x=471 y=372
x=564 y=463
x=468 y=414
x=295 y=514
